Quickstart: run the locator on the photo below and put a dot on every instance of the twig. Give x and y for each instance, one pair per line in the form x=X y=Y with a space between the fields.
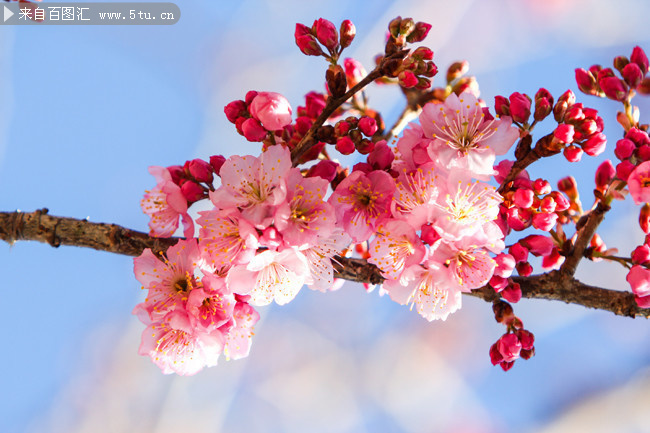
x=39 y=226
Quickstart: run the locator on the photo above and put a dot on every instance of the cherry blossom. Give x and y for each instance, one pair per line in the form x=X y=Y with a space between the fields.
x=164 y=204
x=362 y=201
x=168 y=279
x=270 y=275
x=464 y=137
x=429 y=288
x=254 y=185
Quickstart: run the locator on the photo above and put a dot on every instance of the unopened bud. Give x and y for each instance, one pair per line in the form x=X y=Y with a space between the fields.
x=394 y=26
x=632 y=74
x=325 y=169
x=234 y=110
x=543 y=108
x=620 y=62
x=457 y=70
x=407 y=79
x=638 y=56
x=501 y=105
x=406 y=27
x=502 y=311
x=587 y=82
x=326 y=33
x=595 y=145
x=604 y=175
x=348 y=32
x=306 y=41
x=565 y=101
x=569 y=186
x=368 y=126
x=336 y=80
x=345 y=145
x=216 y=161
x=201 y=170
x=644 y=218
x=614 y=88
x=420 y=32
x=365 y=146
x=253 y=130
x=192 y=191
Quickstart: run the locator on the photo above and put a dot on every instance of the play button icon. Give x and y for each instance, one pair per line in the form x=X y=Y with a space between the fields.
x=7 y=14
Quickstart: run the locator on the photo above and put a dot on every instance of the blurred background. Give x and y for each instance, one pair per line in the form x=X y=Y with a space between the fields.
x=85 y=110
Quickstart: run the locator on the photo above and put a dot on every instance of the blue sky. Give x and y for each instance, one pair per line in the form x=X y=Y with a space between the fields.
x=84 y=112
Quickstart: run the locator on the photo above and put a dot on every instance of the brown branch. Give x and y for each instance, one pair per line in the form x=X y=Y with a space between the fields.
x=56 y=231
x=584 y=235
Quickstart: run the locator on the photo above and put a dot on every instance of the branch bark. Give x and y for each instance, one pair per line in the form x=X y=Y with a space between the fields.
x=56 y=231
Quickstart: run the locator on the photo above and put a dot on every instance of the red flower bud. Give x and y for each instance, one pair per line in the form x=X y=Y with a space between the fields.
x=420 y=32
x=614 y=88
x=234 y=110
x=307 y=43
x=326 y=33
x=638 y=56
x=348 y=31
x=624 y=169
x=429 y=235
x=192 y=191
x=644 y=218
x=201 y=170
x=253 y=130
x=325 y=169
x=345 y=145
x=520 y=107
x=526 y=338
x=368 y=126
x=501 y=105
x=587 y=82
x=595 y=145
x=604 y=175
x=216 y=161
x=632 y=74
x=564 y=132
x=624 y=148
x=407 y=79
x=573 y=153
x=512 y=293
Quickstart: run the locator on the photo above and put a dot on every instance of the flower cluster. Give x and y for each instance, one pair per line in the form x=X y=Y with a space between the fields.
x=191 y=317
x=425 y=211
x=516 y=343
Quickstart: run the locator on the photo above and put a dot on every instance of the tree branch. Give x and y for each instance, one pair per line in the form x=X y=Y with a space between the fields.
x=56 y=231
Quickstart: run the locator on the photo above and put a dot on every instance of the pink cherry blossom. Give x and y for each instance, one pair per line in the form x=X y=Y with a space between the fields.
x=164 y=204
x=170 y=279
x=319 y=258
x=270 y=275
x=428 y=287
x=238 y=339
x=304 y=215
x=639 y=279
x=639 y=183
x=226 y=238
x=254 y=185
x=412 y=149
x=463 y=138
x=395 y=247
x=464 y=207
x=271 y=109
x=362 y=201
x=210 y=310
x=415 y=194
x=469 y=264
x=176 y=347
